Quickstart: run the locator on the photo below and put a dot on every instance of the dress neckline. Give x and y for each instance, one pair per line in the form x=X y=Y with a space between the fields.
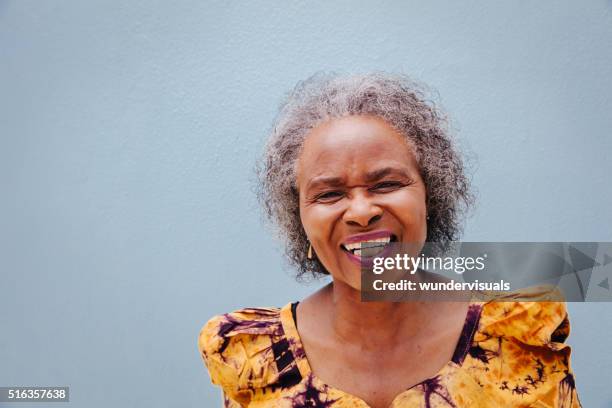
x=470 y=325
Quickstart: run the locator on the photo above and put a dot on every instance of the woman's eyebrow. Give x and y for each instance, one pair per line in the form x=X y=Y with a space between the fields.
x=325 y=181
x=334 y=181
x=385 y=171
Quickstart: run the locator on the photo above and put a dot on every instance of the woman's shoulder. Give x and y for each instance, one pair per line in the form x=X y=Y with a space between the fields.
x=519 y=351
x=245 y=321
x=246 y=326
x=239 y=349
x=537 y=318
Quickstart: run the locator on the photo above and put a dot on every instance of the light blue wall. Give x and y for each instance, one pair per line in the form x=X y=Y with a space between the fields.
x=128 y=131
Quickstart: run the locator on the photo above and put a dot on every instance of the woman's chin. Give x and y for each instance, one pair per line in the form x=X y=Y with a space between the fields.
x=350 y=277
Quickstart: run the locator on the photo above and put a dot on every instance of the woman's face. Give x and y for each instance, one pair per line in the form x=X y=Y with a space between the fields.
x=358 y=181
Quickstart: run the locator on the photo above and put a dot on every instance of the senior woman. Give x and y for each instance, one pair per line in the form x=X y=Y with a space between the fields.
x=361 y=158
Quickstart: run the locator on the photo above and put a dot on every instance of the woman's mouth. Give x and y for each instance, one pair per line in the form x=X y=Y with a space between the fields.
x=362 y=250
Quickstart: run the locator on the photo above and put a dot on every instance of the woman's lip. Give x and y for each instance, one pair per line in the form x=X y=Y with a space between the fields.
x=368 y=236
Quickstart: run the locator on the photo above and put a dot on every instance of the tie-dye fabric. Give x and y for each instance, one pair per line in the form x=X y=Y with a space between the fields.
x=510 y=354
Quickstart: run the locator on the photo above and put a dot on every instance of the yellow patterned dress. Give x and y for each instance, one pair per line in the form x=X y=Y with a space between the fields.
x=510 y=354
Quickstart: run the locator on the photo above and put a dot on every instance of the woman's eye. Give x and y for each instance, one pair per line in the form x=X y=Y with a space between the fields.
x=329 y=196
x=387 y=186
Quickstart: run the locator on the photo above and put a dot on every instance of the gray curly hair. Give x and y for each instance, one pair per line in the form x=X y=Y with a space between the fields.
x=403 y=104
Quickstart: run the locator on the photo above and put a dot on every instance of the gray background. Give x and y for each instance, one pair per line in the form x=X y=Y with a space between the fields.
x=128 y=131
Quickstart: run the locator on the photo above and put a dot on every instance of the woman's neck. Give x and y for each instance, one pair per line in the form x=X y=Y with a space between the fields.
x=372 y=325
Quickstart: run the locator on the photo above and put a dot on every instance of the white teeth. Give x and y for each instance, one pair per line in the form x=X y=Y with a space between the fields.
x=357 y=245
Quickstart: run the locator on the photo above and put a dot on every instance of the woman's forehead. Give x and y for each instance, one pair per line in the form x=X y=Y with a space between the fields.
x=353 y=143
x=351 y=129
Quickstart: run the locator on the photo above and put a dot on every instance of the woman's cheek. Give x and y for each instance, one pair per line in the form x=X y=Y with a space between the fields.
x=410 y=210
x=316 y=221
x=415 y=202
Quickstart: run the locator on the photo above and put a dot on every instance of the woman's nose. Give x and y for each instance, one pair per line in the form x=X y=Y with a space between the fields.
x=362 y=211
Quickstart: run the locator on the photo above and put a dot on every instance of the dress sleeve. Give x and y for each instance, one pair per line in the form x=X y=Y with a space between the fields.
x=224 y=369
x=238 y=350
x=562 y=393
x=525 y=343
x=567 y=395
